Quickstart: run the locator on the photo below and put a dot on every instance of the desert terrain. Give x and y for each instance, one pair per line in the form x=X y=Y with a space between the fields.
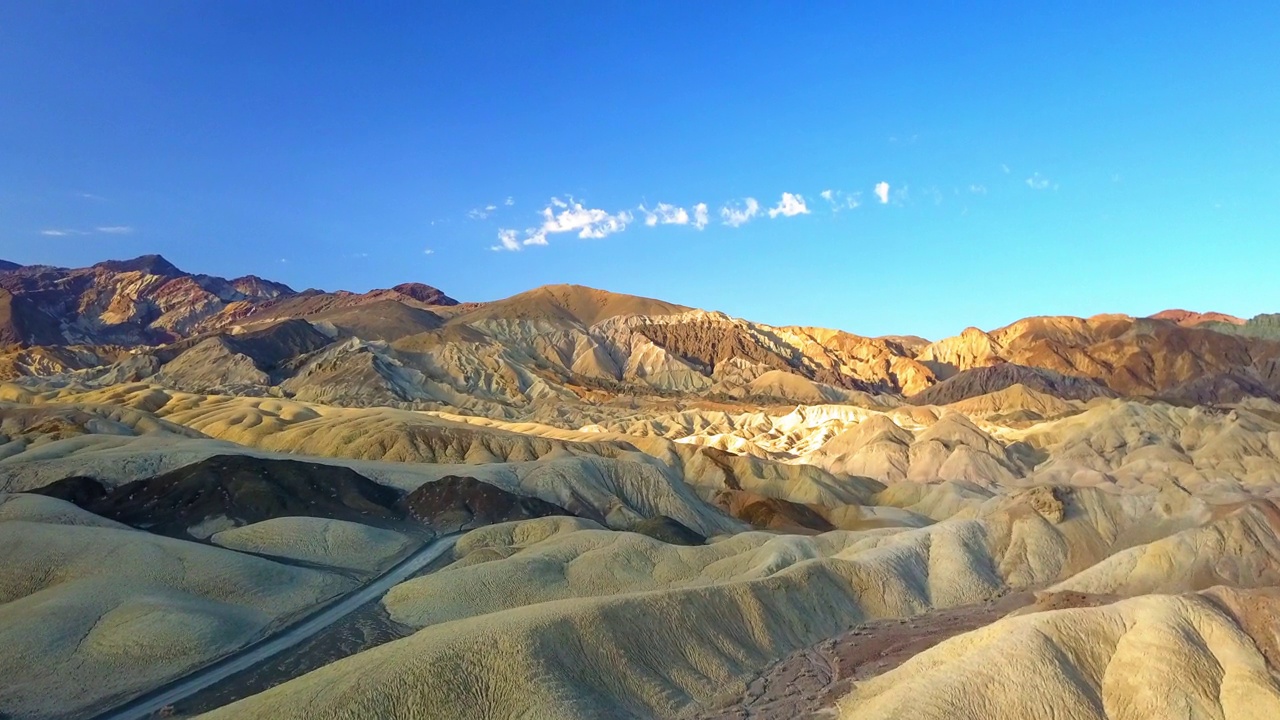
x=652 y=510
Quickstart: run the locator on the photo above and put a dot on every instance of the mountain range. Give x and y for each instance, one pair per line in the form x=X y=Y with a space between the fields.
x=414 y=346
x=623 y=507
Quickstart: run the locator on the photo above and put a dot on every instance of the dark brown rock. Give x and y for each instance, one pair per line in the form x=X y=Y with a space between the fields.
x=455 y=503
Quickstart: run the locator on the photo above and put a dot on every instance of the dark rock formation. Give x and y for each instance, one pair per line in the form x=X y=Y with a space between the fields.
x=456 y=503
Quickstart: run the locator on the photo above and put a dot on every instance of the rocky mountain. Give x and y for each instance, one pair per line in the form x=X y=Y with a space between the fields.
x=413 y=346
x=993 y=378
x=1130 y=356
x=148 y=301
x=1190 y=318
x=1266 y=326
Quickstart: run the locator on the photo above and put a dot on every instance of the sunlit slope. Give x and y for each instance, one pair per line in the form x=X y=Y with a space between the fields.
x=1197 y=656
x=91 y=611
x=560 y=618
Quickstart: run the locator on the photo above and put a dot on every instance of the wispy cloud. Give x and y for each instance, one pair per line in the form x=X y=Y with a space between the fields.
x=509 y=201
x=508 y=240
x=481 y=213
x=1005 y=169
x=978 y=189
x=882 y=192
x=841 y=200
x=67 y=232
x=665 y=214
x=116 y=230
x=789 y=206
x=428 y=251
x=738 y=215
x=1038 y=182
x=700 y=215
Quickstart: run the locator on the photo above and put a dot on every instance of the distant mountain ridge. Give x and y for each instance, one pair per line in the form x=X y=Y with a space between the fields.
x=414 y=346
x=1189 y=318
x=146 y=301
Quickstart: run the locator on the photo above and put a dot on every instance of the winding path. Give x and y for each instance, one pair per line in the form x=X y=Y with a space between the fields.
x=144 y=706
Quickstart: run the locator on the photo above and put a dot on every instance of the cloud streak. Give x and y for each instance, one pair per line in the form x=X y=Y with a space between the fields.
x=665 y=214
x=507 y=240
x=566 y=215
x=101 y=230
x=1038 y=182
x=739 y=215
x=840 y=200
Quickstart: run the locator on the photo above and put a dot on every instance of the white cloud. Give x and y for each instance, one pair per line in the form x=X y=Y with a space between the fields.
x=573 y=216
x=1037 y=182
x=840 y=200
x=481 y=213
x=508 y=240
x=978 y=189
x=509 y=201
x=428 y=251
x=588 y=222
x=116 y=230
x=64 y=232
x=736 y=216
x=789 y=206
x=700 y=215
x=665 y=214
x=882 y=192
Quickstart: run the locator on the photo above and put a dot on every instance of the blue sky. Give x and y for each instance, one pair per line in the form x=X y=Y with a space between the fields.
x=1039 y=159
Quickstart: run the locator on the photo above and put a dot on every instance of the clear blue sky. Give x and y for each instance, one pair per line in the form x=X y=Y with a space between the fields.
x=1066 y=158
